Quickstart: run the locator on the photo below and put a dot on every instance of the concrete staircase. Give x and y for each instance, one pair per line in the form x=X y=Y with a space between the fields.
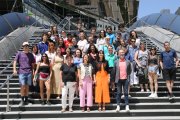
x=140 y=104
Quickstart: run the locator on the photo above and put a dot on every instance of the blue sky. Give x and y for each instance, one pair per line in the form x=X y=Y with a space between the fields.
x=147 y=7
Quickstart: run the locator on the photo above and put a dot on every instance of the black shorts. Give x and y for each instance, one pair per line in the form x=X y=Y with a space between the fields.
x=169 y=74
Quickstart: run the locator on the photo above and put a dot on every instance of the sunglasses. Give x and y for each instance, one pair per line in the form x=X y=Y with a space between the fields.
x=43 y=56
x=26 y=46
x=132 y=41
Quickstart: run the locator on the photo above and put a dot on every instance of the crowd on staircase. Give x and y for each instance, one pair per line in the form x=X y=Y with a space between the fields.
x=91 y=66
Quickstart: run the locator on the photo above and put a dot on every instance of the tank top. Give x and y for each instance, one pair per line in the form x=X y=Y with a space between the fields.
x=44 y=69
x=143 y=57
x=153 y=60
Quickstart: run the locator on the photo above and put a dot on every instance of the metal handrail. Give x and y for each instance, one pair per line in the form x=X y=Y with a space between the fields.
x=10 y=76
x=16 y=38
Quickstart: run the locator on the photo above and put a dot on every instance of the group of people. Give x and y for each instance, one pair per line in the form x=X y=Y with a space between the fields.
x=90 y=67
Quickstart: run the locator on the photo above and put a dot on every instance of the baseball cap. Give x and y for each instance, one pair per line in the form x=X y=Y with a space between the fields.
x=25 y=43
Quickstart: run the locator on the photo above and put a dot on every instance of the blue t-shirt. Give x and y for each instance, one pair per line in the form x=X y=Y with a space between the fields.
x=77 y=61
x=112 y=37
x=168 y=59
x=43 y=47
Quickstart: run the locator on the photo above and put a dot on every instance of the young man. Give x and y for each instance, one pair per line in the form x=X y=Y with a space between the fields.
x=26 y=62
x=169 y=67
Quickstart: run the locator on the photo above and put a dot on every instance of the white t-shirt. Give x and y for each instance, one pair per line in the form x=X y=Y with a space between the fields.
x=50 y=55
x=81 y=44
x=100 y=43
x=137 y=42
x=37 y=57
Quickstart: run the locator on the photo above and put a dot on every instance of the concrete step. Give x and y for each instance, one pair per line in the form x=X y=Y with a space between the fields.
x=15 y=100
x=54 y=107
x=135 y=89
x=79 y=114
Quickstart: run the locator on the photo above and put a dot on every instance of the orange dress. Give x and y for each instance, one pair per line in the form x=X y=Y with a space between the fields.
x=102 y=86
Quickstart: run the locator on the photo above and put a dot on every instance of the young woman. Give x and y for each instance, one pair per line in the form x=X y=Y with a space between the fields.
x=101 y=40
x=78 y=57
x=51 y=51
x=37 y=56
x=57 y=62
x=68 y=78
x=85 y=71
x=93 y=54
x=152 y=72
x=141 y=58
x=61 y=45
x=102 y=82
x=45 y=71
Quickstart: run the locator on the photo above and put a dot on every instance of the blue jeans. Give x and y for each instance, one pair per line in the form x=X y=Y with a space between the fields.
x=124 y=84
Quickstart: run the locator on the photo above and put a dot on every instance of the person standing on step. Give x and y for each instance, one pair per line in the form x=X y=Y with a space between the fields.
x=122 y=70
x=153 y=68
x=43 y=45
x=68 y=78
x=45 y=72
x=26 y=62
x=141 y=57
x=57 y=61
x=86 y=76
x=169 y=67
x=102 y=82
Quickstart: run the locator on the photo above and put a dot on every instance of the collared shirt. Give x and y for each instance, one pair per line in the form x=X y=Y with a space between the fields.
x=43 y=47
x=110 y=58
x=122 y=69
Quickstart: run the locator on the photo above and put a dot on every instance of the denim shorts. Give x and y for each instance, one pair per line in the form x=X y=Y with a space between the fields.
x=153 y=68
x=25 y=79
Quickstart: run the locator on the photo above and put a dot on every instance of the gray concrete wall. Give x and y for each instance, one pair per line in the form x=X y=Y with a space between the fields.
x=10 y=44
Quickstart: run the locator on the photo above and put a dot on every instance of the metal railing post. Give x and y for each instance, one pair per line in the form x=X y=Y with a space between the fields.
x=8 y=106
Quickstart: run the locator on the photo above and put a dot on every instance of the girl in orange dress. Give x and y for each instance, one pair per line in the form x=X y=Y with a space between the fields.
x=102 y=82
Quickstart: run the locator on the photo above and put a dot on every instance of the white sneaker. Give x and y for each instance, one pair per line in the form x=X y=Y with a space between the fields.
x=147 y=90
x=151 y=95
x=142 y=90
x=122 y=97
x=129 y=96
x=127 y=108
x=117 y=108
x=155 y=95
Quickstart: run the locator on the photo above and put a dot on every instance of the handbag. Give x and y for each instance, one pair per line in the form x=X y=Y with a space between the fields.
x=140 y=71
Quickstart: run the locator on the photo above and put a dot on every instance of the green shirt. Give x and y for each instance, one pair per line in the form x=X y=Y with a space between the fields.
x=110 y=58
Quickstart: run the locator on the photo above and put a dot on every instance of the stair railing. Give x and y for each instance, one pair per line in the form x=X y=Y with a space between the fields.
x=10 y=76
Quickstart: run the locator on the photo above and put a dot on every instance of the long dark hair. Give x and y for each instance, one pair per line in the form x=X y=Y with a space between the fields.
x=47 y=59
x=89 y=49
x=131 y=36
x=153 y=48
x=98 y=58
x=36 y=48
x=84 y=56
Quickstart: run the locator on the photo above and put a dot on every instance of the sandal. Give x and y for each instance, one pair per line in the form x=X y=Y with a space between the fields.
x=99 y=109
x=104 y=109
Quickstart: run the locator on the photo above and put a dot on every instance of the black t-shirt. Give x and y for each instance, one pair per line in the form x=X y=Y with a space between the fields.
x=68 y=73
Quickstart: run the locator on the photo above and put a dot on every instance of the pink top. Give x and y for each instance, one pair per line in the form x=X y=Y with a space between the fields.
x=122 y=69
